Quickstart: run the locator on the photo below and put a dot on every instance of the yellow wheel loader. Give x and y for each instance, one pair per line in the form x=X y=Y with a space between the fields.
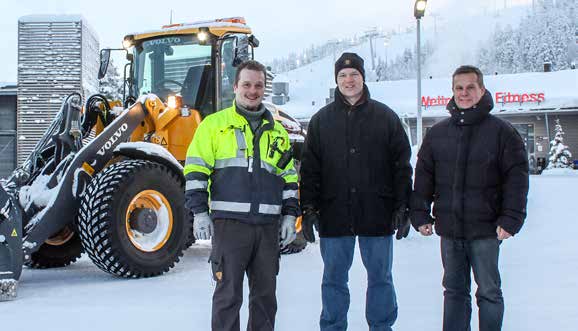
x=107 y=178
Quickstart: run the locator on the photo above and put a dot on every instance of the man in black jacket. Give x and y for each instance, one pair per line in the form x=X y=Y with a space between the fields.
x=474 y=168
x=356 y=181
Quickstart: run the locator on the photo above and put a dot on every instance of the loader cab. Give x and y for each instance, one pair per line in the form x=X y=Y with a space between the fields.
x=174 y=65
x=198 y=65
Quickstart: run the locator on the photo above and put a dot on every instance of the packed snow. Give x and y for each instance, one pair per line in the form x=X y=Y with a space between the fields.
x=538 y=275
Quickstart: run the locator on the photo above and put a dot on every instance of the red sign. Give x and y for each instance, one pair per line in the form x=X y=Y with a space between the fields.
x=499 y=97
x=503 y=97
x=439 y=101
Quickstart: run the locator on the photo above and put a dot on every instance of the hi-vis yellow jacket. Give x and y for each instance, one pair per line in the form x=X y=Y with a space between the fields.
x=234 y=174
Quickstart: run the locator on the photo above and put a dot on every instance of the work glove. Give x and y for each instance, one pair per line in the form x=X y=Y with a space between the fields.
x=401 y=222
x=203 y=226
x=310 y=220
x=287 y=229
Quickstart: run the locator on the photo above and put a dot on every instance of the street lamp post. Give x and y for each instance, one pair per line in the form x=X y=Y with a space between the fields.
x=418 y=12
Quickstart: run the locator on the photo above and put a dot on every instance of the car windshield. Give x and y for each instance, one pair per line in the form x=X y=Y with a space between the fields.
x=173 y=65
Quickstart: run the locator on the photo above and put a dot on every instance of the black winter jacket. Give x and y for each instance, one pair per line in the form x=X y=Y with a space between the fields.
x=355 y=167
x=474 y=168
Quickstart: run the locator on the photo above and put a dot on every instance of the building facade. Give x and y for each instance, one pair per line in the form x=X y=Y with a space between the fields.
x=57 y=55
x=531 y=102
x=7 y=128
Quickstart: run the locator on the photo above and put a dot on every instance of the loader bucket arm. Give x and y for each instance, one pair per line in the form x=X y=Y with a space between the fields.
x=89 y=160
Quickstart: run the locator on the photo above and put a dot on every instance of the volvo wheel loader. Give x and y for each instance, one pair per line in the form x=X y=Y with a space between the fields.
x=106 y=178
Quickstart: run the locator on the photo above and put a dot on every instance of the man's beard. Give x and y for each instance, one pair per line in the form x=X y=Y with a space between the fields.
x=251 y=108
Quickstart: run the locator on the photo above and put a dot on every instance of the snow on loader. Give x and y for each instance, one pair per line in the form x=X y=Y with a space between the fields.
x=108 y=180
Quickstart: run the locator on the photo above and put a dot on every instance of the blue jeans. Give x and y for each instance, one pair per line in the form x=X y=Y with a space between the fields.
x=459 y=257
x=377 y=257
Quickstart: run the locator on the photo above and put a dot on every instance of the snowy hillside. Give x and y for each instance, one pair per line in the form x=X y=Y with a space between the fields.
x=309 y=85
x=451 y=35
x=539 y=276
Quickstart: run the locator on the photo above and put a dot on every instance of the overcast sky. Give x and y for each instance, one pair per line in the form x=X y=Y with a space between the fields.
x=281 y=26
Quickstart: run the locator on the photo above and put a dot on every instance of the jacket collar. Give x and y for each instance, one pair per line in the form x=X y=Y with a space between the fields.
x=268 y=121
x=340 y=99
x=472 y=115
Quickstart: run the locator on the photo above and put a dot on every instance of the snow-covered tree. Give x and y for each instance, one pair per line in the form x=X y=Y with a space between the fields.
x=543 y=36
x=381 y=69
x=111 y=85
x=506 y=43
x=485 y=60
x=403 y=67
x=560 y=156
x=552 y=31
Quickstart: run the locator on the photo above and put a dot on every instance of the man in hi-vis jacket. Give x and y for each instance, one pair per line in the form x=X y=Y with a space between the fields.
x=242 y=189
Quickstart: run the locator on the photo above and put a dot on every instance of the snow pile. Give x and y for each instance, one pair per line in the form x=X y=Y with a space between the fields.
x=149 y=149
x=35 y=192
x=559 y=172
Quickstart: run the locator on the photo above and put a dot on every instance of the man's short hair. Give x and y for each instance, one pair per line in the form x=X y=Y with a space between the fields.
x=468 y=69
x=250 y=65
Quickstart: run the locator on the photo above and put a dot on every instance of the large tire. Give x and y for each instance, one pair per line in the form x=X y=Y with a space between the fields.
x=107 y=211
x=59 y=250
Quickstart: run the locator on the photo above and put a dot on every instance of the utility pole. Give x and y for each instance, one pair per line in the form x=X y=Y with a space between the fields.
x=372 y=34
x=435 y=17
x=418 y=12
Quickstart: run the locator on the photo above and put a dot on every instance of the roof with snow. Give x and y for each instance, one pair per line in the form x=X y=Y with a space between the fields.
x=217 y=26
x=51 y=18
x=58 y=18
x=513 y=94
x=8 y=88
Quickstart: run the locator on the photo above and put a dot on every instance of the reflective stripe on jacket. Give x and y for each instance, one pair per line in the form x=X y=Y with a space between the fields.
x=238 y=170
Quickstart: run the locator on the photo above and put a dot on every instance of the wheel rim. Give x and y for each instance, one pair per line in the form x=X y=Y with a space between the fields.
x=61 y=237
x=155 y=240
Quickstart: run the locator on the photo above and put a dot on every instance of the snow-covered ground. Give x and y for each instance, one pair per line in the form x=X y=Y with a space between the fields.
x=539 y=275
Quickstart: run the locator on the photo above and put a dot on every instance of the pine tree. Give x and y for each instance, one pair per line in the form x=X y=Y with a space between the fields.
x=381 y=69
x=486 y=61
x=506 y=45
x=560 y=156
x=111 y=85
x=542 y=36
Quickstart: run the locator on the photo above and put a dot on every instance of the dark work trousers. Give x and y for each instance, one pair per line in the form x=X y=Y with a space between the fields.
x=459 y=257
x=240 y=248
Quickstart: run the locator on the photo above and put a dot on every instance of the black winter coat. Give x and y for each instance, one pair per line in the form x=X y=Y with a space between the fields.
x=474 y=168
x=355 y=168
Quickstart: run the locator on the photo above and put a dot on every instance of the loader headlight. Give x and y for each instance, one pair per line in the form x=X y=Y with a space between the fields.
x=174 y=101
x=128 y=42
x=202 y=36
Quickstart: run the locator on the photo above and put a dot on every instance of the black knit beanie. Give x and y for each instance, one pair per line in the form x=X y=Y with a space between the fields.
x=349 y=60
